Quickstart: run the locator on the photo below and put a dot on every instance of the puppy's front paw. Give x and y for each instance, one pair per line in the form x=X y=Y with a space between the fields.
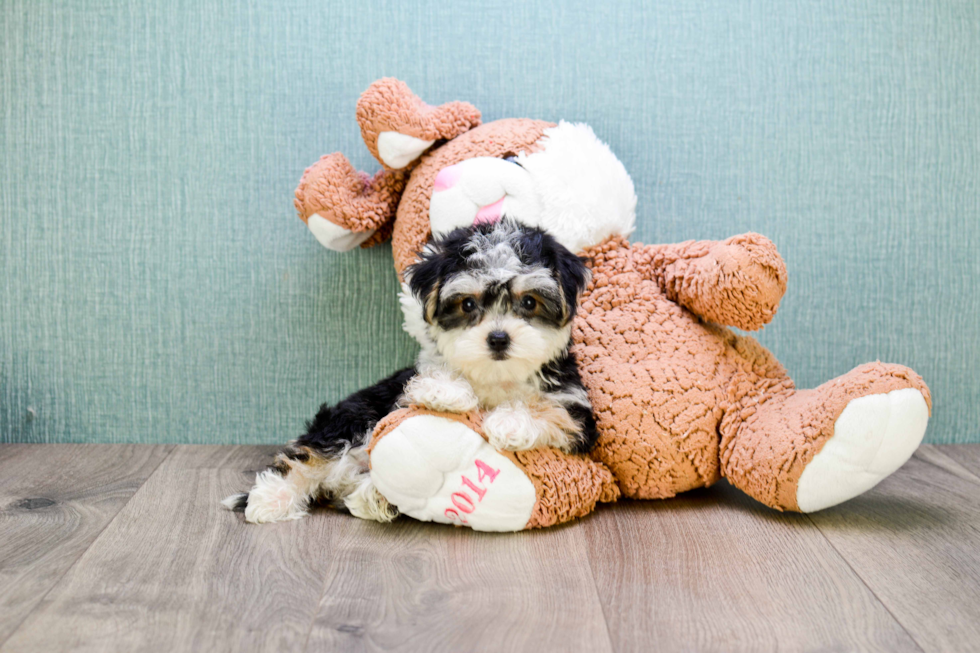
x=511 y=428
x=443 y=392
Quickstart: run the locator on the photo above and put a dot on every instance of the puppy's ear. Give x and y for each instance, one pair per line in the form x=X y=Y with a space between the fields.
x=424 y=279
x=573 y=277
x=438 y=262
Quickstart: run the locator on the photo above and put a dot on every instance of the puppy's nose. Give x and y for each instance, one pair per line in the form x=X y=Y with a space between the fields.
x=498 y=341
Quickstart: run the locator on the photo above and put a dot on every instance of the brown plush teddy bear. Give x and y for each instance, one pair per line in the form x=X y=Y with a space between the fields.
x=680 y=400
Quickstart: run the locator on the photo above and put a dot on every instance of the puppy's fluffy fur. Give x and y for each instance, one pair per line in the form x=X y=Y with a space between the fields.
x=497 y=301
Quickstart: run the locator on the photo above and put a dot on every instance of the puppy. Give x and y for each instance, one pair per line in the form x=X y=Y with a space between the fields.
x=498 y=301
x=495 y=304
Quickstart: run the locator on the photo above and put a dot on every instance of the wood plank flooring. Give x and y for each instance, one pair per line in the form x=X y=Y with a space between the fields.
x=915 y=543
x=54 y=502
x=125 y=548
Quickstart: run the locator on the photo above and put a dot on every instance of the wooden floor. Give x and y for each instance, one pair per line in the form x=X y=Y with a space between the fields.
x=125 y=548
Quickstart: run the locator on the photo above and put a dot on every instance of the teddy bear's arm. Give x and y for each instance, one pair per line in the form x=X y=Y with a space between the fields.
x=345 y=208
x=736 y=282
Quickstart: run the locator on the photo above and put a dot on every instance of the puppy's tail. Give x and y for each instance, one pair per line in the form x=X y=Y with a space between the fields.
x=236 y=502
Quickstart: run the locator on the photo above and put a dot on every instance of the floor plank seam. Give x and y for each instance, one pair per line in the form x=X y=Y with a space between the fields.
x=316 y=612
x=81 y=554
x=939 y=452
x=595 y=586
x=854 y=571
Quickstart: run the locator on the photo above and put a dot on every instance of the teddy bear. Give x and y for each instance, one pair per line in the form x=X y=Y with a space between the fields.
x=680 y=399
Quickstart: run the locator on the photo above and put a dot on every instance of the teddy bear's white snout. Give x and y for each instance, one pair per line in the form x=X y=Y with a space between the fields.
x=481 y=189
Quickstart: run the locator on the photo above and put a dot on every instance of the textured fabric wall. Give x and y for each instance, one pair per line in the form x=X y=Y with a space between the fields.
x=156 y=286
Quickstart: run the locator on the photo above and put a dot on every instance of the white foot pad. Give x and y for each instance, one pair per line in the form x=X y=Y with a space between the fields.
x=436 y=469
x=335 y=237
x=874 y=436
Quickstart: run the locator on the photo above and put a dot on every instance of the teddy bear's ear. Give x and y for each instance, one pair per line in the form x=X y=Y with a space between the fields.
x=398 y=127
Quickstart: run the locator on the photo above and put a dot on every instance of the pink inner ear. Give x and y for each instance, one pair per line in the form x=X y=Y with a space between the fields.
x=490 y=213
x=447 y=178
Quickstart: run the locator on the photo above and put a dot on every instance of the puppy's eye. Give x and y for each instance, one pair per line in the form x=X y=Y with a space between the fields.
x=468 y=305
x=528 y=303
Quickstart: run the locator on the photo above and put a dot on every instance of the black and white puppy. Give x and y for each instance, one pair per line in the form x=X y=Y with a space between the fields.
x=493 y=305
x=497 y=301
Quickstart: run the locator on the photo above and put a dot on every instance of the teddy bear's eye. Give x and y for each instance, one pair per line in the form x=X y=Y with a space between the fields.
x=528 y=303
x=468 y=305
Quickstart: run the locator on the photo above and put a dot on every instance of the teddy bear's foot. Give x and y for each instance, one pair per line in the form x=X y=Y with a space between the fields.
x=873 y=437
x=437 y=469
x=806 y=450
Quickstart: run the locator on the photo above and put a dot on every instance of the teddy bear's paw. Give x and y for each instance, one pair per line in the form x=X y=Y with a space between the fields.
x=436 y=469
x=441 y=391
x=873 y=437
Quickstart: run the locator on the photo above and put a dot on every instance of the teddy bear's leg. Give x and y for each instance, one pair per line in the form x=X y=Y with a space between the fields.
x=437 y=467
x=811 y=449
x=398 y=127
x=345 y=208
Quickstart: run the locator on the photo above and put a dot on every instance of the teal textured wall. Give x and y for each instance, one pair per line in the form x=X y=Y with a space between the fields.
x=156 y=286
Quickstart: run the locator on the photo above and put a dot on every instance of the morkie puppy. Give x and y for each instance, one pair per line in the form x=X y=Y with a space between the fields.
x=492 y=306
